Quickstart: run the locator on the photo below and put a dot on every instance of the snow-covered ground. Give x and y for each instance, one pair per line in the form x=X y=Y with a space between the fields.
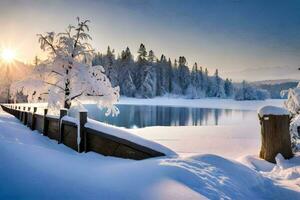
x=34 y=167
x=202 y=103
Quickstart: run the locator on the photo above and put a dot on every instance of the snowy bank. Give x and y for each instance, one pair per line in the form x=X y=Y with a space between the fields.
x=202 y=103
x=32 y=166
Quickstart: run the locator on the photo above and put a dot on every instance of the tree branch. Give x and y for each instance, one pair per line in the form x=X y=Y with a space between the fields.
x=56 y=73
x=99 y=95
x=54 y=85
x=78 y=95
x=50 y=44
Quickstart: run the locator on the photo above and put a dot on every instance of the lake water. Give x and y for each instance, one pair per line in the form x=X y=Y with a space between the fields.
x=138 y=116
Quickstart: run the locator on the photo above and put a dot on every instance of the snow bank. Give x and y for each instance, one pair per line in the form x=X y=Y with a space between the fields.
x=30 y=161
x=202 y=103
x=122 y=133
x=285 y=173
x=272 y=110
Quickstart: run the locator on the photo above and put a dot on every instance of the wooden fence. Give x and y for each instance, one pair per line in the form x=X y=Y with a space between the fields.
x=66 y=132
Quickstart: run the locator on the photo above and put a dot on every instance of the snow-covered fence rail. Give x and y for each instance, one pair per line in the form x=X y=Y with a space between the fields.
x=84 y=136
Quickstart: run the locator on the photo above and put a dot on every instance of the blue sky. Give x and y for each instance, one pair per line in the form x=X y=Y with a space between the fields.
x=239 y=37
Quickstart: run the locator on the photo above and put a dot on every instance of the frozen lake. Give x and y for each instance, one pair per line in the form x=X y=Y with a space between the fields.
x=139 y=116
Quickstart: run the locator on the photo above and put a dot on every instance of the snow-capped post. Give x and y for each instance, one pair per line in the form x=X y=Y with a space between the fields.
x=275 y=136
x=45 y=121
x=33 y=119
x=62 y=113
x=28 y=114
x=24 y=118
x=81 y=134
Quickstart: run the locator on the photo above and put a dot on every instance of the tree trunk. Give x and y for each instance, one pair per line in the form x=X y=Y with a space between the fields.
x=275 y=137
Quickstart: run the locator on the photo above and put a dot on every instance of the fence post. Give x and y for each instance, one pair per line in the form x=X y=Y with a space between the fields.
x=82 y=136
x=33 y=118
x=28 y=113
x=275 y=135
x=24 y=115
x=62 y=113
x=45 y=122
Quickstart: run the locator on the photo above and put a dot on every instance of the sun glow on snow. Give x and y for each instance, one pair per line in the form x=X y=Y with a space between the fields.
x=8 y=55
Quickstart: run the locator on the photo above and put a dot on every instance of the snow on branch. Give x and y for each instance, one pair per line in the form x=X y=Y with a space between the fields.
x=67 y=75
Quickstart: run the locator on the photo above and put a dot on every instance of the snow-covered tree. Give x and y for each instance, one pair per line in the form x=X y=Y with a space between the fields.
x=151 y=57
x=249 y=92
x=148 y=86
x=228 y=88
x=176 y=89
x=293 y=105
x=217 y=86
x=183 y=74
x=109 y=65
x=126 y=64
x=67 y=75
x=163 y=76
x=142 y=54
x=194 y=90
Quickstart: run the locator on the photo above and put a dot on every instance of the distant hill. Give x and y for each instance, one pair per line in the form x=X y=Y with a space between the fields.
x=276 y=86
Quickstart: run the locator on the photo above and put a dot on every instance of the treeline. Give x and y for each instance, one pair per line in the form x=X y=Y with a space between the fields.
x=148 y=76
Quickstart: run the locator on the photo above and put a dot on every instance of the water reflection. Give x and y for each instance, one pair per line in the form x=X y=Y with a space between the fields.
x=132 y=116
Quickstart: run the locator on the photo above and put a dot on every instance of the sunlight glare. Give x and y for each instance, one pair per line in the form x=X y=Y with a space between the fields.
x=8 y=55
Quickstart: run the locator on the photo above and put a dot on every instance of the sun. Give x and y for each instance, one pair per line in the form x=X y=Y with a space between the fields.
x=8 y=55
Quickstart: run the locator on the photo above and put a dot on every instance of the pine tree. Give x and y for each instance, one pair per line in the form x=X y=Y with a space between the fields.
x=151 y=57
x=206 y=82
x=140 y=66
x=148 y=86
x=127 y=86
x=110 y=67
x=228 y=88
x=169 y=68
x=176 y=89
x=183 y=74
x=216 y=86
x=142 y=54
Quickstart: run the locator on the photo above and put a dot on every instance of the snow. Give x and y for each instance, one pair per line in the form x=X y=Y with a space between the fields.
x=70 y=119
x=203 y=103
x=285 y=173
x=123 y=133
x=194 y=140
x=52 y=116
x=272 y=110
x=32 y=166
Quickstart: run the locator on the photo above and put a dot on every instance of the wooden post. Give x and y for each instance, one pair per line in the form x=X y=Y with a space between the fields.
x=33 y=118
x=45 y=122
x=81 y=136
x=24 y=118
x=275 y=136
x=28 y=113
x=62 y=113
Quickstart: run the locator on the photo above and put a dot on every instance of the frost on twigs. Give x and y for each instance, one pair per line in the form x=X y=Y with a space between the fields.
x=67 y=75
x=293 y=105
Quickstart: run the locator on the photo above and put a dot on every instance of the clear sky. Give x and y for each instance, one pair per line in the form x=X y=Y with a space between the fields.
x=245 y=39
